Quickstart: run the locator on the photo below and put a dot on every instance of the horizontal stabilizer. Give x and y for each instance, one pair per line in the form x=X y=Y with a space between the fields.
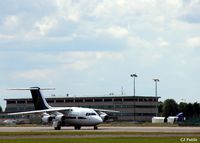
x=31 y=88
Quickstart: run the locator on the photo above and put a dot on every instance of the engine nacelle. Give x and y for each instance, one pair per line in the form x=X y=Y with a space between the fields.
x=103 y=116
x=47 y=118
x=60 y=117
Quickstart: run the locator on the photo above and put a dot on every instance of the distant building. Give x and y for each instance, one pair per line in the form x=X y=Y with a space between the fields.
x=138 y=108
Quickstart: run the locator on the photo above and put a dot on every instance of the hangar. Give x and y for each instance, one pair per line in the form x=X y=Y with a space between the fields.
x=132 y=108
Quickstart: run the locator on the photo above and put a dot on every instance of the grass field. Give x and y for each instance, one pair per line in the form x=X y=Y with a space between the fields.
x=89 y=137
x=106 y=140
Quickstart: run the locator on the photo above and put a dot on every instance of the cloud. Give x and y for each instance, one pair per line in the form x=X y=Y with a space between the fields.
x=121 y=8
x=6 y=37
x=45 y=25
x=35 y=74
x=75 y=60
x=161 y=42
x=78 y=65
x=11 y=21
x=191 y=11
x=114 y=32
x=69 y=10
x=193 y=41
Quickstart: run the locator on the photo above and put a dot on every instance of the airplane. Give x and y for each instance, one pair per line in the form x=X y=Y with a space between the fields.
x=64 y=116
x=171 y=119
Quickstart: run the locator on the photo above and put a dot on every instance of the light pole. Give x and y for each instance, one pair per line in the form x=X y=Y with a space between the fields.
x=156 y=91
x=133 y=76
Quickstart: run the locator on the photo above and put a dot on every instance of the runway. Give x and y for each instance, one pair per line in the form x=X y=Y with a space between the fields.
x=106 y=129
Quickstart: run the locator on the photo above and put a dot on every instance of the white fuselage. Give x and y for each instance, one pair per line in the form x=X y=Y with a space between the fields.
x=82 y=117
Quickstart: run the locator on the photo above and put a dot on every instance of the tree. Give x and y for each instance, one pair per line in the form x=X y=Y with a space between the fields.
x=196 y=109
x=189 y=110
x=170 y=108
x=182 y=107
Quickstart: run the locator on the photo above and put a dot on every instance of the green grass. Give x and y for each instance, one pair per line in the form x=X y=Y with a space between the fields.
x=99 y=140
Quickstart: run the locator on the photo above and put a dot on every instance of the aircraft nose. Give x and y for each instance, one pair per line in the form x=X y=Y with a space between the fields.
x=98 y=120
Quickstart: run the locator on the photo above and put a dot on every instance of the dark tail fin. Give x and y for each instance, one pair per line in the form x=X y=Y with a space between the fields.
x=39 y=101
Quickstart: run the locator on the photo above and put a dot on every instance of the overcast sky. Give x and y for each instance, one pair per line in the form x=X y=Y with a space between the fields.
x=90 y=47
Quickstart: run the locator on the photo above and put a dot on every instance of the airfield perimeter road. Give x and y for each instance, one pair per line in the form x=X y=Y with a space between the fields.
x=123 y=132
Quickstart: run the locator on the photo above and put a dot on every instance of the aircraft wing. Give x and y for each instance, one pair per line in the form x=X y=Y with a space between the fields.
x=104 y=110
x=56 y=109
x=42 y=111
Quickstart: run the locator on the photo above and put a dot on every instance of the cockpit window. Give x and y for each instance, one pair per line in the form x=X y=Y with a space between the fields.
x=90 y=114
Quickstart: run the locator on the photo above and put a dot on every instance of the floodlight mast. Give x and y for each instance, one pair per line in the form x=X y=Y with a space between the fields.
x=134 y=76
x=156 y=92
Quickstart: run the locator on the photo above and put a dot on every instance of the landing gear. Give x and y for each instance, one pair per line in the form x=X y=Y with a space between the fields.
x=95 y=128
x=57 y=125
x=57 y=128
x=77 y=127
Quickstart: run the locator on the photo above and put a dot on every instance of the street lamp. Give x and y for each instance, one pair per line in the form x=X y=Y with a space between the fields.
x=156 y=80
x=156 y=91
x=133 y=76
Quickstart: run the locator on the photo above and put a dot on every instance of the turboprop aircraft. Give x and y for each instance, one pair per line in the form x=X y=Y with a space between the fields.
x=64 y=116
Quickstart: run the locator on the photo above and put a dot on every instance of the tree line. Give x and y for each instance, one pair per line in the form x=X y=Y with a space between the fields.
x=171 y=108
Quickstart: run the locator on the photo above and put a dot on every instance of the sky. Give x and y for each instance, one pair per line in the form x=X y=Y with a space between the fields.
x=90 y=47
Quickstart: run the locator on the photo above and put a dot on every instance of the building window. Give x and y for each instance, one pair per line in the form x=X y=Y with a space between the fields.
x=140 y=99
x=97 y=100
x=60 y=101
x=50 y=101
x=68 y=100
x=130 y=99
x=21 y=102
x=29 y=101
x=108 y=100
x=118 y=100
x=145 y=106
x=88 y=100
x=78 y=100
x=11 y=102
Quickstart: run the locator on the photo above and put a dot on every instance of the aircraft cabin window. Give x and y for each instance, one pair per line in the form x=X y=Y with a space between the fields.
x=90 y=114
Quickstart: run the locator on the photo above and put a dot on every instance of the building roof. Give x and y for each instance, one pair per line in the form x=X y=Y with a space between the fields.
x=83 y=97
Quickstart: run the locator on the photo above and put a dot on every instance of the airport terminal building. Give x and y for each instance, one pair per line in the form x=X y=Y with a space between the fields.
x=132 y=108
